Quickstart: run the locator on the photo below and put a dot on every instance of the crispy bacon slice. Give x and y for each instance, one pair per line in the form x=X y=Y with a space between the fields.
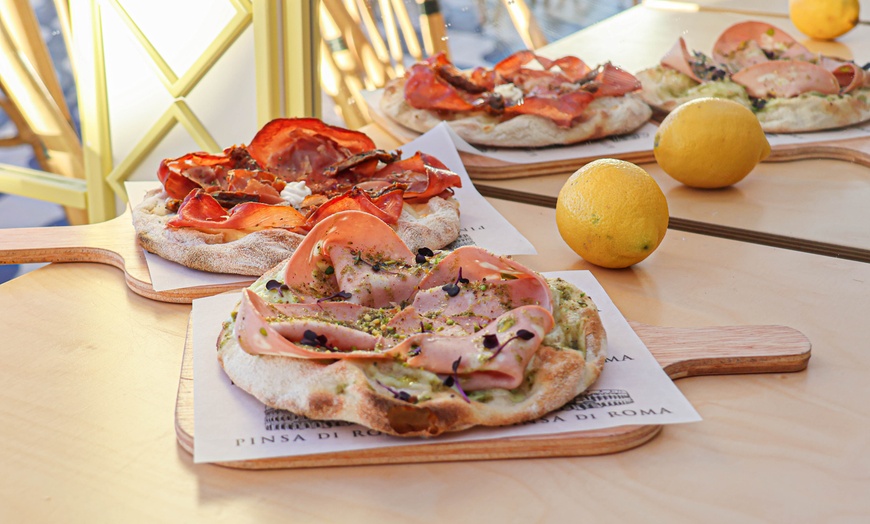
x=613 y=81
x=424 y=175
x=300 y=148
x=424 y=89
x=201 y=211
x=233 y=171
x=365 y=158
x=386 y=206
x=572 y=68
x=181 y=175
x=563 y=110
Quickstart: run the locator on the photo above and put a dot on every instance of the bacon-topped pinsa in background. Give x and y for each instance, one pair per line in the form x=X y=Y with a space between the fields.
x=790 y=88
x=561 y=101
x=330 y=169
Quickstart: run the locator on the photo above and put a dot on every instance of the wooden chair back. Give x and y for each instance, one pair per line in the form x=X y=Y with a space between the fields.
x=368 y=42
x=33 y=99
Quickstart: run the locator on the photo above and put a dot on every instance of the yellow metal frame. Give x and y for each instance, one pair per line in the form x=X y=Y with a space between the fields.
x=294 y=93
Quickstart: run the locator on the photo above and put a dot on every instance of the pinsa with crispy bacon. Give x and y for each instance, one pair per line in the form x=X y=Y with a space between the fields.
x=246 y=209
x=525 y=100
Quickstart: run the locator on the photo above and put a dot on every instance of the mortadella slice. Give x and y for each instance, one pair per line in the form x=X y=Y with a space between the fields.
x=748 y=43
x=478 y=364
x=260 y=331
x=679 y=59
x=785 y=79
x=354 y=252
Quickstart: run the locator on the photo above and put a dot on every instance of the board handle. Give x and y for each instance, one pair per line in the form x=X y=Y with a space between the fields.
x=82 y=243
x=686 y=352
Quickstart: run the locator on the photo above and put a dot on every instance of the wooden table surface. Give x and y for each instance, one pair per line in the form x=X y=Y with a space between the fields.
x=91 y=370
x=765 y=7
x=818 y=205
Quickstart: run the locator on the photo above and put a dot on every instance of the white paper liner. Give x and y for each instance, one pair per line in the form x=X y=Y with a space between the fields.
x=232 y=425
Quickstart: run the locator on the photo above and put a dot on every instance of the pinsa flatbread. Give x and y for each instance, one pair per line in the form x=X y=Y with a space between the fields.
x=790 y=89
x=246 y=210
x=357 y=327
x=513 y=104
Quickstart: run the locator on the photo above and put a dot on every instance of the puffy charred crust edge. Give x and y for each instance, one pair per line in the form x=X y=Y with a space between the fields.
x=433 y=224
x=605 y=116
x=666 y=89
x=341 y=390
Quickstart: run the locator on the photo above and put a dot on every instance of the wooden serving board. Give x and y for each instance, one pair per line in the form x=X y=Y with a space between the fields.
x=682 y=352
x=856 y=150
x=112 y=242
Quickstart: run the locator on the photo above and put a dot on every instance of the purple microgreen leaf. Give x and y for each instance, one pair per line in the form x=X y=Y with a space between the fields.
x=462 y=392
x=455 y=364
x=449 y=381
x=490 y=341
x=310 y=338
x=415 y=350
x=423 y=254
x=522 y=334
x=451 y=289
x=525 y=334
x=404 y=396
x=344 y=295
x=461 y=280
x=272 y=285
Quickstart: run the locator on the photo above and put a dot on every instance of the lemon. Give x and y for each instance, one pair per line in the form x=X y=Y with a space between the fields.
x=824 y=19
x=710 y=143
x=612 y=213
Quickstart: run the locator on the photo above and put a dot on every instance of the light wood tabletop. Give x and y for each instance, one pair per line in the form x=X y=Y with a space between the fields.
x=818 y=205
x=766 y=7
x=91 y=371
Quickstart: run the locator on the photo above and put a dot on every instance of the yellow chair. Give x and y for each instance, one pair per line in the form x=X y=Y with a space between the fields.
x=34 y=101
x=359 y=54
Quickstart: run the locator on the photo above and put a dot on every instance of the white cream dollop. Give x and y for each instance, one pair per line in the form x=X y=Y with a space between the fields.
x=509 y=92
x=295 y=192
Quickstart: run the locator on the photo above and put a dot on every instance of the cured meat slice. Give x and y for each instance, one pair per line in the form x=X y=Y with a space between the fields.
x=352 y=252
x=261 y=331
x=424 y=175
x=785 y=79
x=200 y=210
x=494 y=357
x=748 y=43
x=301 y=148
x=387 y=206
x=563 y=110
x=848 y=74
x=424 y=89
x=679 y=58
x=475 y=317
x=613 y=81
x=479 y=265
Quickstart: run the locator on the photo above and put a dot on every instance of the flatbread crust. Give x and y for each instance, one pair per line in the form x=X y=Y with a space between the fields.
x=605 y=116
x=570 y=359
x=664 y=89
x=433 y=224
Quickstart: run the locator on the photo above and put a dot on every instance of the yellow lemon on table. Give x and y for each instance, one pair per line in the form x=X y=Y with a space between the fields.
x=824 y=19
x=612 y=213
x=710 y=143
